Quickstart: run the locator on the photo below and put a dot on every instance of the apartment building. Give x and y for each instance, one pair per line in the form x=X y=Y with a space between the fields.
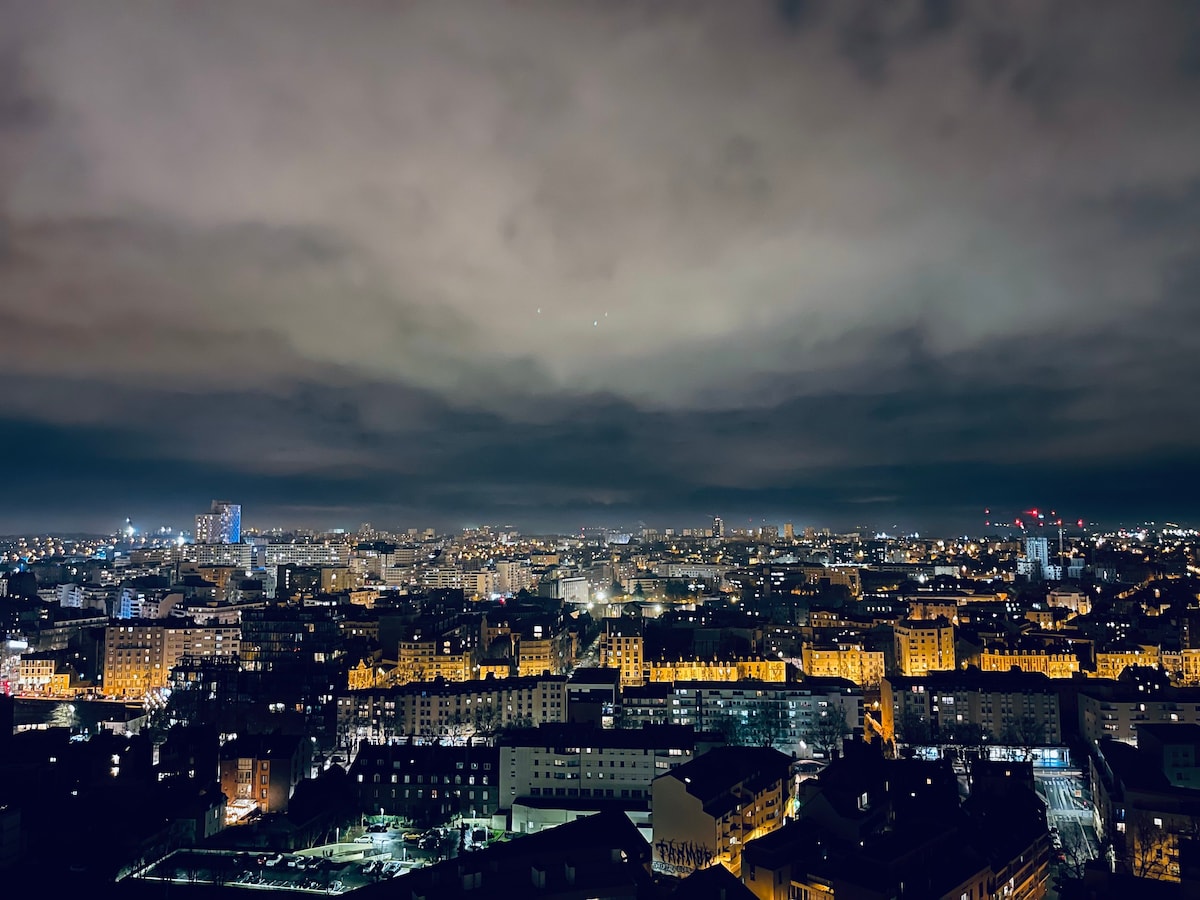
x=785 y=716
x=428 y=784
x=449 y=709
x=1115 y=710
x=432 y=658
x=1112 y=662
x=695 y=669
x=853 y=662
x=263 y=770
x=706 y=811
x=1062 y=664
x=1146 y=799
x=139 y=655
x=1017 y=709
x=572 y=762
x=924 y=645
x=621 y=648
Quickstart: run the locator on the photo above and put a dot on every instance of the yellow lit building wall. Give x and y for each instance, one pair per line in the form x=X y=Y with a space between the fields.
x=1053 y=665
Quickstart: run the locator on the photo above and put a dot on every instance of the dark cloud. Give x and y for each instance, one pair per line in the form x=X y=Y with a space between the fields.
x=443 y=260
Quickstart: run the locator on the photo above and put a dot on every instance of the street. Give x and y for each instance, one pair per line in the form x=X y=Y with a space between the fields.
x=1069 y=811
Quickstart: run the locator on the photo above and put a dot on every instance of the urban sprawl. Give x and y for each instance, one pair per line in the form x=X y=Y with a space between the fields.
x=777 y=712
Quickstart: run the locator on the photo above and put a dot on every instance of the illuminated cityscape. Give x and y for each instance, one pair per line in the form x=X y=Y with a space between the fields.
x=369 y=705
x=572 y=450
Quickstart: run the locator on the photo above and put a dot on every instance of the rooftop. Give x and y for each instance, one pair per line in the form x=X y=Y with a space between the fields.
x=711 y=775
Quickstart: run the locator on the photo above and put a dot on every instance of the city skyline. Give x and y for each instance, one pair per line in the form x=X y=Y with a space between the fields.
x=571 y=263
x=993 y=524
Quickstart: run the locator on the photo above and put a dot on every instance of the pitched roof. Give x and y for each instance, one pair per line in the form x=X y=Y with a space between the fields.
x=710 y=776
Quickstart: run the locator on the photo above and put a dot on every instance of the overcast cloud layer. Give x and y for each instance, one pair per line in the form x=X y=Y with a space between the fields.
x=554 y=262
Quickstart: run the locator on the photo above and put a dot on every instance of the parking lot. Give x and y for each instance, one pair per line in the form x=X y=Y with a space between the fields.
x=275 y=871
x=422 y=844
x=367 y=854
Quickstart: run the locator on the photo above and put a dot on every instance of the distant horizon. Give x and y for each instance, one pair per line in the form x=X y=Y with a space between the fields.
x=630 y=526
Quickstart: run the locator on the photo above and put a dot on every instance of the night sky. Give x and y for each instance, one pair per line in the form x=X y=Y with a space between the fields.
x=572 y=261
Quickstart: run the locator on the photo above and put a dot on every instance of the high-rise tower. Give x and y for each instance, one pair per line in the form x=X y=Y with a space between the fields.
x=222 y=524
x=1036 y=563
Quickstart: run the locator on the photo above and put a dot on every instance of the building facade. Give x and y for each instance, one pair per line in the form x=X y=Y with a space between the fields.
x=852 y=662
x=621 y=648
x=139 y=655
x=785 y=716
x=580 y=762
x=263 y=770
x=706 y=811
x=222 y=524
x=1051 y=664
x=1011 y=709
x=428 y=784
x=924 y=645
x=456 y=710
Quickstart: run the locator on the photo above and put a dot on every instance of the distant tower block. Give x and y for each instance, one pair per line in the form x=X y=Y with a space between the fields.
x=222 y=524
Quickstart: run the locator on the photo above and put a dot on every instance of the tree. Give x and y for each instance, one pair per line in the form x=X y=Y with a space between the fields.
x=912 y=728
x=827 y=731
x=768 y=725
x=486 y=720
x=1148 y=845
x=445 y=844
x=64 y=716
x=516 y=723
x=158 y=725
x=1025 y=731
x=1076 y=853
x=970 y=736
x=192 y=867
x=675 y=589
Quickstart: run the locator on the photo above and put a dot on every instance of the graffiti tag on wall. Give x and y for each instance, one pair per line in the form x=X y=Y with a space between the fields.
x=681 y=856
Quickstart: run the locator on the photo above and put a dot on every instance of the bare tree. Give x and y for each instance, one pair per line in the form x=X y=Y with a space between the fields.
x=193 y=868
x=1148 y=845
x=729 y=726
x=1025 y=731
x=969 y=737
x=1076 y=854
x=912 y=728
x=827 y=730
x=486 y=721
x=457 y=727
x=768 y=725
